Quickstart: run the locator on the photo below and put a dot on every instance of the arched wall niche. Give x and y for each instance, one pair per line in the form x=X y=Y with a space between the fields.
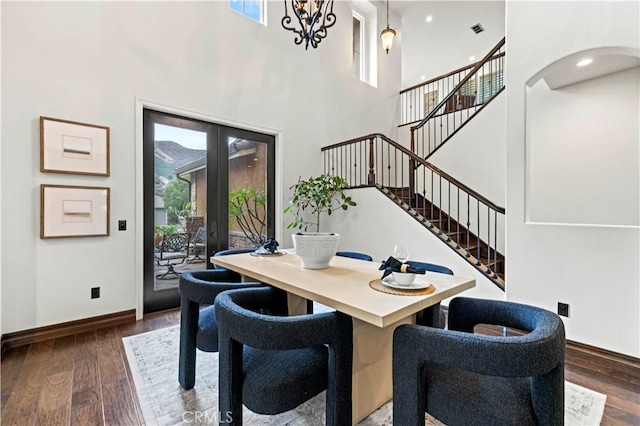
x=582 y=136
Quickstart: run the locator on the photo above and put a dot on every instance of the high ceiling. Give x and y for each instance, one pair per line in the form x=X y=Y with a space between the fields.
x=444 y=42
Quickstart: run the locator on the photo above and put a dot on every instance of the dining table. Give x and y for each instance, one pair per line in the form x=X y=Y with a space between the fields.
x=353 y=287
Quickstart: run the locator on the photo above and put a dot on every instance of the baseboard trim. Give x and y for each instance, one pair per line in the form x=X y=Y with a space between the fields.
x=39 y=334
x=584 y=348
x=604 y=353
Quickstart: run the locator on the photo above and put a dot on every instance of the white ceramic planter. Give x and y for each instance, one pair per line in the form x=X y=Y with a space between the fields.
x=315 y=249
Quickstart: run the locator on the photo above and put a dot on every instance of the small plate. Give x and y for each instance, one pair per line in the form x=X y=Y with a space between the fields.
x=278 y=253
x=390 y=282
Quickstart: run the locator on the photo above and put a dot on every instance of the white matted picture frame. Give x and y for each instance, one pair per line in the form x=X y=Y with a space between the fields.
x=73 y=147
x=68 y=211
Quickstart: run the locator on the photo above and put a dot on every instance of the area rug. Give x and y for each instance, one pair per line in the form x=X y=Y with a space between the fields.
x=153 y=359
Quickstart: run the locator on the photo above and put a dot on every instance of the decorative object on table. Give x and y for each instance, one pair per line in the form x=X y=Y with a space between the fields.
x=401 y=252
x=73 y=147
x=68 y=211
x=313 y=19
x=394 y=265
x=403 y=278
x=269 y=248
x=311 y=198
x=315 y=250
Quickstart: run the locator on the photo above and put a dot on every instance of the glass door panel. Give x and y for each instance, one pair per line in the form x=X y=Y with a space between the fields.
x=207 y=187
x=180 y=202
x=247 y=193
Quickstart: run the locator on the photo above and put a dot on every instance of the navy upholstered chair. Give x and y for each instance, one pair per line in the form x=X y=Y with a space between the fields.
x=462 y=378
x=355 y=255
x=272 y=364
x=231 y=251
x=198 y=326
x=432 y=316
x=431 y=267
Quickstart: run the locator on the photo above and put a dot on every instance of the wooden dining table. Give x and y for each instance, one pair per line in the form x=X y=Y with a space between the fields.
x=344 y=286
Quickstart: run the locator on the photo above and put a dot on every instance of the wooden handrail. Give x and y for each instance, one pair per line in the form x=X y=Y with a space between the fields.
x=449 y=74
x=462 y=82
x=423 y=162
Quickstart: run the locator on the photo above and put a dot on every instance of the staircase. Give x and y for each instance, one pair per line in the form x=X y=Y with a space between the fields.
x=460 y=217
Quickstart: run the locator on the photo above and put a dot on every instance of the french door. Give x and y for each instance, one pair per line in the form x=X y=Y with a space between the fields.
x=208 y=186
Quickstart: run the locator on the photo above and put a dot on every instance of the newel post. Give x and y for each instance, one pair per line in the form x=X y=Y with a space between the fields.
x=371 y=177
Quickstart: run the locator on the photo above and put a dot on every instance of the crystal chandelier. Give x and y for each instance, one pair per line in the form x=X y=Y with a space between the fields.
x=313 y=18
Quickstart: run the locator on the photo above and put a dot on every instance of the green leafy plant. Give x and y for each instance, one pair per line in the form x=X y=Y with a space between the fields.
x=247 y=208
x=317 y=195
x=176 y=196
x=166 y=229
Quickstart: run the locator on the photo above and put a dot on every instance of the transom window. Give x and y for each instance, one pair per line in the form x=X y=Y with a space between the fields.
x=358 y=43
x=252 y=9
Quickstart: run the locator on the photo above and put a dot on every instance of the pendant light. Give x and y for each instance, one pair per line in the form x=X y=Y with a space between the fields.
x=387 y=34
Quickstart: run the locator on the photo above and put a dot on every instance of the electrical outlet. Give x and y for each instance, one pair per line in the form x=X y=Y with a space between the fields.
x=122 y=225
x=563 y=309
x=95 y=292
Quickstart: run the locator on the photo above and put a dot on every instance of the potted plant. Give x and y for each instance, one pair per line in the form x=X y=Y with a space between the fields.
x=247 y=208
x=311 y=198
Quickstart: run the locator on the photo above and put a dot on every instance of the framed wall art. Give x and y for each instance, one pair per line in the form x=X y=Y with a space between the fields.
x=72 y=147
x=73 y=211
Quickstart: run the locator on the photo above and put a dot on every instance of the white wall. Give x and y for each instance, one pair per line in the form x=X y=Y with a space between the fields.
x=386 y=225
x=476 y=154
x=90 y=61
x=583 y=150
x=594 y=269
x=0 y=185
x=447 y=42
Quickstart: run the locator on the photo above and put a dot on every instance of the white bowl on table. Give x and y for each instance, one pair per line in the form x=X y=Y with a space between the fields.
x=403 y=278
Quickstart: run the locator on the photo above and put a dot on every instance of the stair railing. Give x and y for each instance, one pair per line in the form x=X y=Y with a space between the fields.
x=473 y=88
x=449 y=208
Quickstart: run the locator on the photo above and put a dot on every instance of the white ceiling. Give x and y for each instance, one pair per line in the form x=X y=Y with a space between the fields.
x=447 y=42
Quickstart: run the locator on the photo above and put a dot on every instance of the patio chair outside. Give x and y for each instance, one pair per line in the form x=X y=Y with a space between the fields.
x=174 y=249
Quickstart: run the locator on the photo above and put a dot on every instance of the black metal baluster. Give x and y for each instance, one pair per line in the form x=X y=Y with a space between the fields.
x=458 y=218
x=488 y=238
x=495 y=244
x=424 y=193
x=468 y=225
x=433 y=199
x=478 y=233
x=449 y=212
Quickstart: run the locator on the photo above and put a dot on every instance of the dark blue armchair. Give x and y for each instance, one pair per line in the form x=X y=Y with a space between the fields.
x=355 y=255
x=198 y=326
x=272 y=364
x=462 y=378
x=433 y=315
x=231 y=251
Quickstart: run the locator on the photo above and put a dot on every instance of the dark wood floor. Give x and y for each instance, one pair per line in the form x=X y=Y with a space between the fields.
x=84 y=379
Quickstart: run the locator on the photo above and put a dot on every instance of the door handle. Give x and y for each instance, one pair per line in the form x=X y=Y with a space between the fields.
x=212 y=228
